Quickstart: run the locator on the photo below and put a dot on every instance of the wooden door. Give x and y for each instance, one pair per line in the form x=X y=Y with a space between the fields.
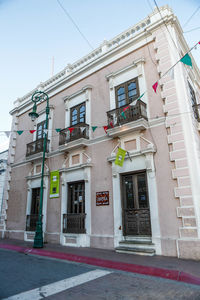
x=135 y=205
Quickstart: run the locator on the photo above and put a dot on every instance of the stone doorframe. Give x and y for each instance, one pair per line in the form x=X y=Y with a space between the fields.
x=139 y=161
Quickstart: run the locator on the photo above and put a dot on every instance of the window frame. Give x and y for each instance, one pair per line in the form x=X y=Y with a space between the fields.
x=78 y=108
x=194 y=102
x=43 y=123
x=125 y=86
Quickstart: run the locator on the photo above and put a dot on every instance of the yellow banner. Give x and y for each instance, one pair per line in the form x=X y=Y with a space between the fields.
x=54 y=184
x=120 y=157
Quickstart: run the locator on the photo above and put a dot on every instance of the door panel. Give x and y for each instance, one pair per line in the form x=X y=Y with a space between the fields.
x=136 y=213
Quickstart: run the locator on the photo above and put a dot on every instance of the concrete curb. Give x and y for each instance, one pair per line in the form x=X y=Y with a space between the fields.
x=133 y=268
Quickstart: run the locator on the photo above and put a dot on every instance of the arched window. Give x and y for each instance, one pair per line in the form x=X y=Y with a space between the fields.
x=77 y=114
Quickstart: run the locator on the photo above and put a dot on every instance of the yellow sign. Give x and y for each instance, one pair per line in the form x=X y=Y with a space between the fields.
x=120 y=157
x=54 y=184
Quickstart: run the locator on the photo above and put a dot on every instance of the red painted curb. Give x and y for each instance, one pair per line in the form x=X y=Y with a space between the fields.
x=139 y=269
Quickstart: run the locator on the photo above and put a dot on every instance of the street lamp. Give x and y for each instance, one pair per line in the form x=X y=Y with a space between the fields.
x=38 y=97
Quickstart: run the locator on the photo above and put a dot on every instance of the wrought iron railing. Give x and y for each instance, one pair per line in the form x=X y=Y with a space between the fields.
x=80 y=130
x=133 y=113
x=196 y=110
x=36 y=147
x=74 y=223
x=31 y=221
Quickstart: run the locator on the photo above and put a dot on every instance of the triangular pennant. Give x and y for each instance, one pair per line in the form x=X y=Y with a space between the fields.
x=186 y=60
x=20 y=132
x=135 y=101
x=71 y=129
x=82 y=129
x=199 y=42
x=154 y=86
x=94 y=128
x=45 y=131
x=32 y=131
x=123 y=115
x=105 y=128
x=58 y=129
x=7 y=133
x=111 y=124
x=171 y=73
x=125 y=108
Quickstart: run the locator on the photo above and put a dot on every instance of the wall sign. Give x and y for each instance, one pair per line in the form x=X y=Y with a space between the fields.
x=102 y=198
x=54 y=184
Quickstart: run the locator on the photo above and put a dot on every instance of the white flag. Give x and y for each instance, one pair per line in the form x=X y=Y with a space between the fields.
x=82 y=129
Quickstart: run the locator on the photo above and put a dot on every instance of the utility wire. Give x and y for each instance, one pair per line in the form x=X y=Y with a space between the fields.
x=191 y=16
x=191 y=30
x=68 y=15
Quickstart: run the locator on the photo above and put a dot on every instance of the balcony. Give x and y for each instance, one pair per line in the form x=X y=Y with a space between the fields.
x=74 y=223
x=78 y=137
x=36 y=147
x=31 y=221
x=135 y=118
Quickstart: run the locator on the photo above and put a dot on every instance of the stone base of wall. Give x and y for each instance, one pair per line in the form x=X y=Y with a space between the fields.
x=189 y=249
x=52 y=238
x=14 y=235
x=168 y=247
x=101 y=242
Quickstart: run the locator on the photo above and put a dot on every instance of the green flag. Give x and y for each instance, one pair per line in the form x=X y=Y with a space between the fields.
x=58 y=129
x=54 y=184
x=120 y=157
x=186 y=60
x=20 y=132
x=94 y=128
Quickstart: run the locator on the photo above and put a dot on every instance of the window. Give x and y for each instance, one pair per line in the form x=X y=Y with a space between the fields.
x=126 y=92
x=40 y=127
x=35 y=201
x=194 y=102
x=77 y=114
x=76 y=200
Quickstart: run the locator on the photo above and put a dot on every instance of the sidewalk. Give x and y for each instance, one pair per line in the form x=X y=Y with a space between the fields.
x=160 y=266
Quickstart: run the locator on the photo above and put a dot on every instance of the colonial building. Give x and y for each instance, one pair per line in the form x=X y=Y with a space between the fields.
x=3 y=169
x=105 y=101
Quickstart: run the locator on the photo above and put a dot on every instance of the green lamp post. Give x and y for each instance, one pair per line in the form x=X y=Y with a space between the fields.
x=39 y=97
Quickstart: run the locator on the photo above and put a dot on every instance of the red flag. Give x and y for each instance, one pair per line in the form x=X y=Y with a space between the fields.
x=154 y=86
x=111 y=124
x=105 y=128
x=125 y=108
x=71 y=129
x=31 y=131
x=199 y=43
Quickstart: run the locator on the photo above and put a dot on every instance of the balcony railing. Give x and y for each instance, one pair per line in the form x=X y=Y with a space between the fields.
x=196 y=110
x=31 y=221
x=81 y=130
x=36 y=147
x=133 y=113
x=74 y=223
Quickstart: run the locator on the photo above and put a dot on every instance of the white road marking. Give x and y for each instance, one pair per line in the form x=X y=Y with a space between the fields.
x=59 y=286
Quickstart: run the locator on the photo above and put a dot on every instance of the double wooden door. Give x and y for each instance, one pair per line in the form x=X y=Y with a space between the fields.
x=135 y=205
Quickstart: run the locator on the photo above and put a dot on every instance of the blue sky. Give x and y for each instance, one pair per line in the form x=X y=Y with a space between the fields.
x=32 y=32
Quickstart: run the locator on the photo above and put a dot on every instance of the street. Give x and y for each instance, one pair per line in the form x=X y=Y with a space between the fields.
x=27 y=277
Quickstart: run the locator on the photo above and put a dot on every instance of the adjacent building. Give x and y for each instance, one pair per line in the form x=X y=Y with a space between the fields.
x=103 y=102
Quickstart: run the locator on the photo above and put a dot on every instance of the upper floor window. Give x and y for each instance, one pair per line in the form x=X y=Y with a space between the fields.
x=194 y=102
x=77 y=114
x=126 y=92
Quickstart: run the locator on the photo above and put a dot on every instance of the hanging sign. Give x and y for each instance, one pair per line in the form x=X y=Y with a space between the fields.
x=54 y=184
x=102 y=198
x=120 y=157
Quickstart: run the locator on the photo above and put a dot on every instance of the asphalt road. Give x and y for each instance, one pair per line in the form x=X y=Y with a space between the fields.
x=36 y=278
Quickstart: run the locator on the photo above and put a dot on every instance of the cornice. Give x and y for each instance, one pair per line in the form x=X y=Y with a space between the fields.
x=107 y=49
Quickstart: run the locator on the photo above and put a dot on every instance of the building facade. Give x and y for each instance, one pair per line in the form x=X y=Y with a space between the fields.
x=103 y=102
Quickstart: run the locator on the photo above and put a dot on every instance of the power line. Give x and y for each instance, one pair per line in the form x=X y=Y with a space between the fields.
x=191 y=30
x=191 y=16
x=68 y=15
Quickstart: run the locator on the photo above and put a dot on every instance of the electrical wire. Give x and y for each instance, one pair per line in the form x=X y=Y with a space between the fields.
x=192 y=30
x=74 y=23
x=191 y=16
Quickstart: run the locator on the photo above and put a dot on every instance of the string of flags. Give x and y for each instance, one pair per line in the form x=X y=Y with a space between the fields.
x=186 y=59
